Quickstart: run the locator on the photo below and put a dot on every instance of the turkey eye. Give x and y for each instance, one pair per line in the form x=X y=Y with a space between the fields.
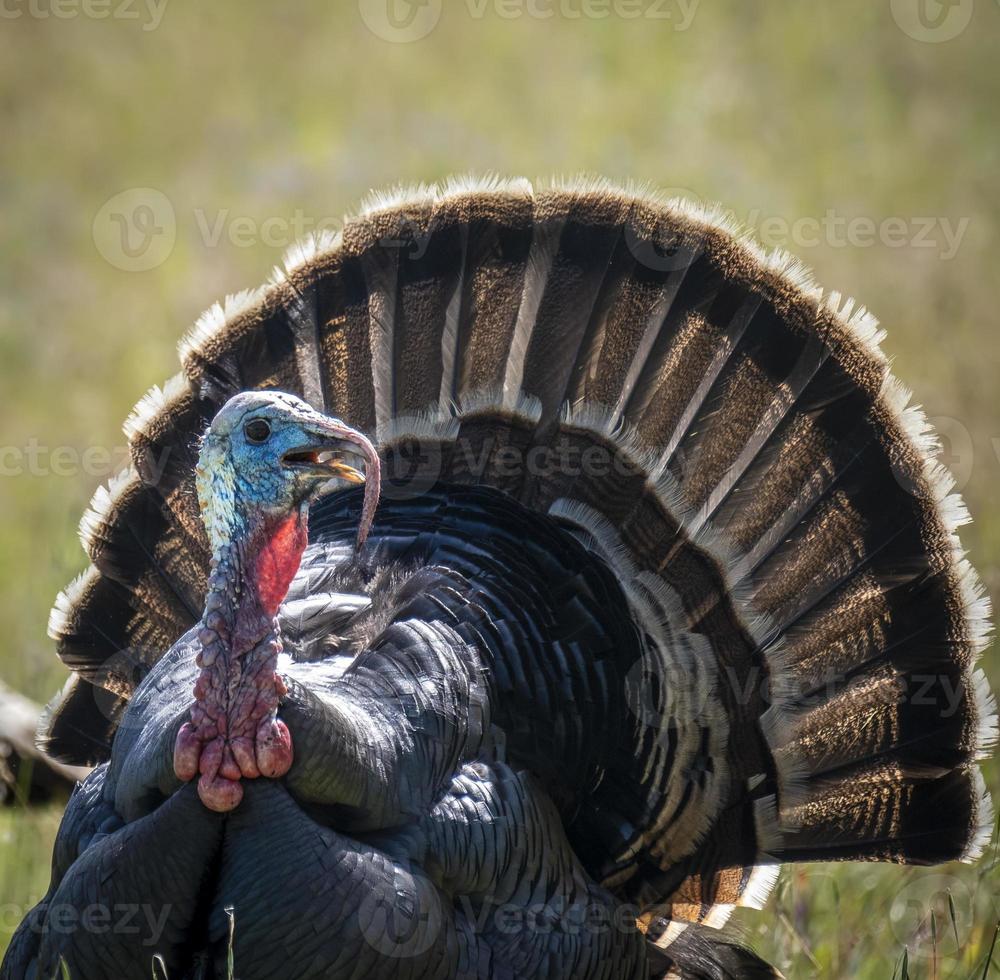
x=257 y=430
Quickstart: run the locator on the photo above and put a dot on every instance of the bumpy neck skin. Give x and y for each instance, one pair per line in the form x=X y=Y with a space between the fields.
x=234 y=731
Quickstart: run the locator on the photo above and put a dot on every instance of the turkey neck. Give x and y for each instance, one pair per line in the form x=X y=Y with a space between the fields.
x=234 y=731
x=250 y=578
x=240 y=638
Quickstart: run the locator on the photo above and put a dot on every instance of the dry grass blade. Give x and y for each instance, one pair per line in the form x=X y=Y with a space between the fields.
x=230 y=965
x=954 y=919
x=989 y=955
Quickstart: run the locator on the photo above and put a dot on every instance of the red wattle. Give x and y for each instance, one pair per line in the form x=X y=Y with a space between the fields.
x=218 y=794
x=233 y=733
x=274 y=748
x=187 y=751
x=278 y=561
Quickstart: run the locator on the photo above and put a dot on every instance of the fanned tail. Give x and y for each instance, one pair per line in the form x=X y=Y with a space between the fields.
x=727 y=437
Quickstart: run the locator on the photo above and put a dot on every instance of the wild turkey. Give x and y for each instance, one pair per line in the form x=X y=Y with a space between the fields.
x=663 y=589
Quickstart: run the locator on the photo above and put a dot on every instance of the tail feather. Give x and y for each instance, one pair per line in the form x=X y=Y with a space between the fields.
x=499 y=235
x=79 y=724
x=728 y=438
x=695 y=953
x=583 y=249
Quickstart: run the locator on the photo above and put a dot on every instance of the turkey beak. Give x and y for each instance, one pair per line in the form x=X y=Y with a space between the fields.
x=341 y=470
x=329 y=441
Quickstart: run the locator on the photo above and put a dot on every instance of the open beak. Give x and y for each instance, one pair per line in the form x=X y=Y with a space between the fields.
x=331 y=444
x=325 y=463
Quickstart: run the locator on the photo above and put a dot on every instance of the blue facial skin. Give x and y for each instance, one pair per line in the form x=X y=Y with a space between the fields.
x=259 y=461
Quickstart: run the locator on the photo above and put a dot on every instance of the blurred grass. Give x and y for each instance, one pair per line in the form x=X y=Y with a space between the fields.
x=250 y=112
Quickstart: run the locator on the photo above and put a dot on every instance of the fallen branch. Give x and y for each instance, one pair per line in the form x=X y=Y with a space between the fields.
x=26 y=773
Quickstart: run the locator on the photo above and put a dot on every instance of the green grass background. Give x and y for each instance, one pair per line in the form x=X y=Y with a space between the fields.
x=237 y=110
